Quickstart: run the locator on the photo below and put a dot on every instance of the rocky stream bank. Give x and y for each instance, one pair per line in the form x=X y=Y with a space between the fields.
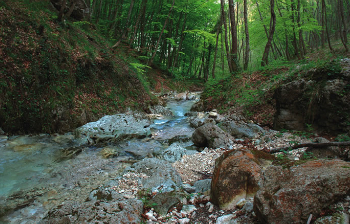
x=172 y=166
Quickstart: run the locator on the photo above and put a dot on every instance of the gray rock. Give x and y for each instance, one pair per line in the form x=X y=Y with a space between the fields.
x=122 y=211
x=225 y=219
x=160 y=173
x=188 y=188
x=163 y=181
x=241 y=130
x=337 y=218
x=158 y=109
x=202 y=185
x=210 y=135
x=174 y=153
x=113 y=128
x=141 y=150
x=196 y=122
x=248 y=207
x=2 y=131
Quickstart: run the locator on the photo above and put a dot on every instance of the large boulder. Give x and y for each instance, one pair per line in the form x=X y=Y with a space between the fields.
x=114 y=128
x=291 y=195
x=321 y=99
x=174 y=153
x=210 y=135
x=236 y=177
x=241 y=130
x=163 y=182
x=159 y=172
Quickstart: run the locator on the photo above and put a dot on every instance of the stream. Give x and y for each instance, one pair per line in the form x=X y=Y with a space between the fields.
x=40 y=172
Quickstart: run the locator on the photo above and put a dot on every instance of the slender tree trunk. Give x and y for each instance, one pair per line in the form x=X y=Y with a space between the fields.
x=216 y=48
x=265 y=59
x=343 y=30
x=182 y=37
x=63 y=7
x=71 y=8
x=141 y=12
x=234 y=47
x=229 y=61
x=301 y=39
x=247 y=47
x=125 y=32
x=161 y=33
x=326 y=25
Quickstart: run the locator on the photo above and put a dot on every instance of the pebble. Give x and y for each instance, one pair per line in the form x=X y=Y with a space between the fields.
x=224 y=219
x=184 y=221
x=150 y=216
x=210 y=207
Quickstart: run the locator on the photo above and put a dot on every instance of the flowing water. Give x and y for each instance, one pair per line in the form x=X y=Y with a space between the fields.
x=36 y=173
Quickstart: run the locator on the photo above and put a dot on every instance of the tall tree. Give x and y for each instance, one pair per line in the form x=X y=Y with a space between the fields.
x=247 y=47
x=265 y=59
x=234 y=47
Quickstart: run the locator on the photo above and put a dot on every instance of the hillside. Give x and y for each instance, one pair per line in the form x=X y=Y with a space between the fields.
x=57 y=76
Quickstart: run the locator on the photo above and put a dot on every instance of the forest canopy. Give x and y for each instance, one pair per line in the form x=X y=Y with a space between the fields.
x=210 y=38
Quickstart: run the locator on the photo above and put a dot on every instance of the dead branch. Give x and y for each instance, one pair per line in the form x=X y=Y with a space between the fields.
x=312 y=145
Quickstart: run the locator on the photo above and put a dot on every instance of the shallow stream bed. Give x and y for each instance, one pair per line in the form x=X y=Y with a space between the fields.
x=40 y=172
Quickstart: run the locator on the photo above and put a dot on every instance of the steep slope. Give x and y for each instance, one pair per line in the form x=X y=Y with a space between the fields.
x=57 y=76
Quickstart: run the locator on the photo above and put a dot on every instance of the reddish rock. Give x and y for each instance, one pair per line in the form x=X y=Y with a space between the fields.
x=291 y=195
x=235 y=177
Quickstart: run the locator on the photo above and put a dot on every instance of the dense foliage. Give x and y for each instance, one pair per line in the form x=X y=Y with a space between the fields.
x=203 y=38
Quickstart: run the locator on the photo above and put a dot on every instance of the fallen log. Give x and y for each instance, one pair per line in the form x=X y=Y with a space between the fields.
x=312 y=145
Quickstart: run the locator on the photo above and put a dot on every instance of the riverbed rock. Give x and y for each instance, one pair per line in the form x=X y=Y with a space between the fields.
x=291 y=195
x=19 y=200
x=108 y=152
x=181 y=96
x=140 y=150
x=202 y=186
x=210 y=135
x=163 y=182
x=158 y=109
x=114 y=128
x=174 y=153
x=236 y=176
x=242 y=130
x=160 y=172
x=337 y=218
x=101 y=211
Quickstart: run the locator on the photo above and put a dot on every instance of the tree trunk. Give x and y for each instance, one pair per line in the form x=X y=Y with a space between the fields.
x=161 y=33
x=182 y=37
x=216 y=47
x=125 y=32
x=63 y=7
x=229 y=61
x=234 y=47
x=343 y=30
x=326 y=25
x=141 y=12
x=265 y=59
x=247 y=47
x=301 y=39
